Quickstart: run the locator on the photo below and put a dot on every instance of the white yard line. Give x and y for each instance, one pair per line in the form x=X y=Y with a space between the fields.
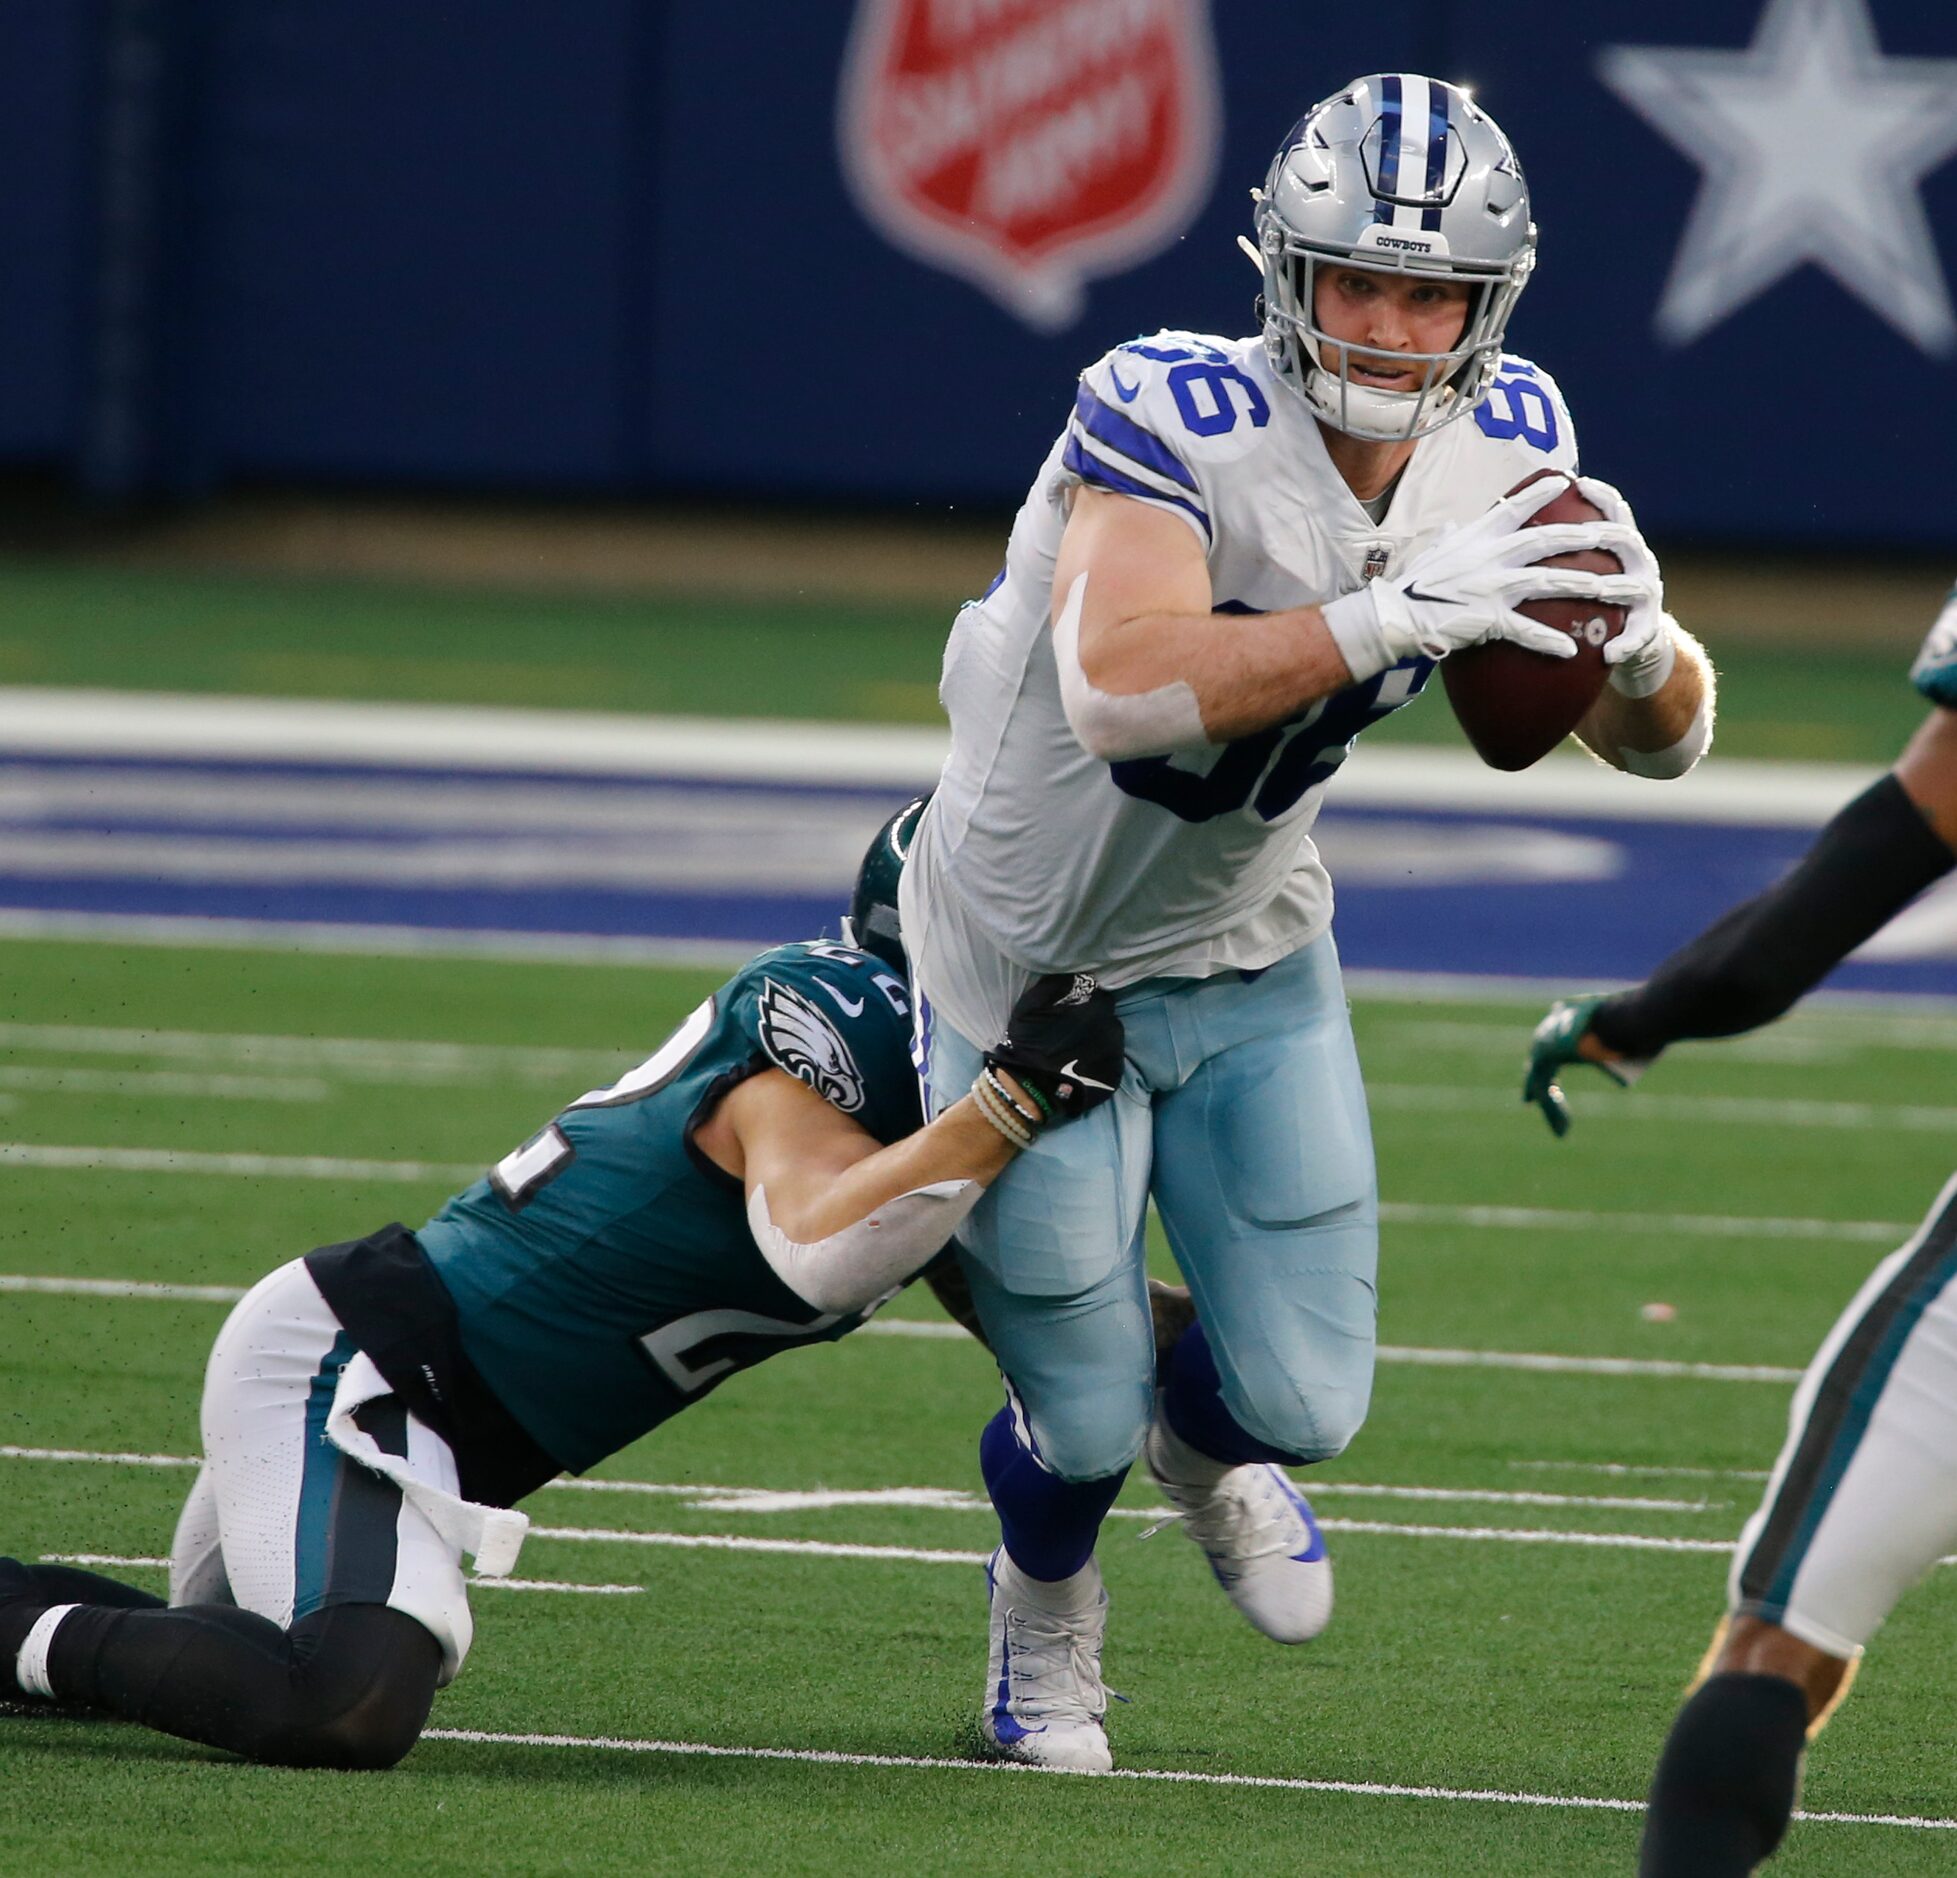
x=1417 y=1356
x=365 y=1058
x=68 y=1079
x=231 y=1166
x=300 y=730
x=288 y=730
x=741 y=1542
x=491 y=1584
x=1167 y=1776
x=97 y=1457
x=1585 y=1365
x=121 y=1288
x=1729 y=1111
x=1655 y=1225
x=1393 y=1212
x=1624 y=1470
x=721 y=1499
x=932 y=1555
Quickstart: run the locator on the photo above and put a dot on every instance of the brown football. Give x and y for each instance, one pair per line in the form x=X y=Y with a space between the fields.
x=1516 y=705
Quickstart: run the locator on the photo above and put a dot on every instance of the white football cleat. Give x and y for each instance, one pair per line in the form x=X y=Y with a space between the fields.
x=1044 y=1697
x=1258 y=1533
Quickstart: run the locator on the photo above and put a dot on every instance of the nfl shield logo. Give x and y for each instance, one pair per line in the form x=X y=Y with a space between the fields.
x=1030 y=144
x=1377 y=557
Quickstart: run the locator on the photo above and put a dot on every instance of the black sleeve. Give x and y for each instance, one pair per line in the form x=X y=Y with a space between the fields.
x=1751 y=964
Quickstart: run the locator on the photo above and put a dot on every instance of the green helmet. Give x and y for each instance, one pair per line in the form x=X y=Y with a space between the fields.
x=871 y=923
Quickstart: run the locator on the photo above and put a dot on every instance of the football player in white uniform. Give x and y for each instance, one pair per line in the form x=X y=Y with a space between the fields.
x=1863 y=1500
x=1238 y=554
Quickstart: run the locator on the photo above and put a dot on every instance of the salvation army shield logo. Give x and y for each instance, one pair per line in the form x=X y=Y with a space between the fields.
x=1030 y=145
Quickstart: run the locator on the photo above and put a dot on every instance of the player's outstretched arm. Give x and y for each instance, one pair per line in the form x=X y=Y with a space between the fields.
x=1147 y=666
x=1756 y=961
x=844 y=1220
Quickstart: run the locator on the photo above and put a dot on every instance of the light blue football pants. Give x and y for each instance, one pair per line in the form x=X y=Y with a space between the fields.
x=1241 y=1111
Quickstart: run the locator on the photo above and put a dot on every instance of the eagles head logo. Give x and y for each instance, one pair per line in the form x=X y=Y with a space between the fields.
x=800 y=1039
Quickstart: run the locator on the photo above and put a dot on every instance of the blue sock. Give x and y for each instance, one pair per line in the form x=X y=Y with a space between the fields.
x=1048 y=1524
x=1193 y=1403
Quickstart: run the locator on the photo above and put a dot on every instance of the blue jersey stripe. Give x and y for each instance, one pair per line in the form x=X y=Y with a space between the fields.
x=1436 y=153
x=1106 y=425
x=1389 y=146
x=1099 y=475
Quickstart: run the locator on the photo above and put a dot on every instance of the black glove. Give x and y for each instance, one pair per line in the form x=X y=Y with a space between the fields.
x=1063 y=1044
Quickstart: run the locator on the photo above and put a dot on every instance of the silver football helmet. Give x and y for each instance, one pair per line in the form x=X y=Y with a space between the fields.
x=1407 y=175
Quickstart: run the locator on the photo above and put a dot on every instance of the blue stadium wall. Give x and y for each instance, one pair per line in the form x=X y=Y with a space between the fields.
x=606 y=247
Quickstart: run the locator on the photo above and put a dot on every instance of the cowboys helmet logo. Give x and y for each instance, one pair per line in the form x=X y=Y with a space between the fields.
x=801 y=1040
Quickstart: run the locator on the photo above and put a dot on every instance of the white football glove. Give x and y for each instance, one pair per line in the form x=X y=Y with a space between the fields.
x=1641 y=657
x=1465 y=588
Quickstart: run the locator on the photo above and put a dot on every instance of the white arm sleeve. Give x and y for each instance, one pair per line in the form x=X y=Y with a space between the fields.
x=871 y=1257
x=1112 y=728
x=1674 y=760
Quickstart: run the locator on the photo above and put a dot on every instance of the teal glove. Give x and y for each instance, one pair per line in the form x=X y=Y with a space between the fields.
x=1935 y=671
x=1554 y=1046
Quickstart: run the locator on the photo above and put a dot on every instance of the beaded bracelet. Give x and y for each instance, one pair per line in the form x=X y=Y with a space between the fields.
x=1037 y=1117
x=1001 y=1114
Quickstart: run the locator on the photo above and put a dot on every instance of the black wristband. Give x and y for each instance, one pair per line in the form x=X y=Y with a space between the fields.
x=1752 y=963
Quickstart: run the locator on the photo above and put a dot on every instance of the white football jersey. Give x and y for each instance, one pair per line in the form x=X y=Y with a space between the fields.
x=1034 y=856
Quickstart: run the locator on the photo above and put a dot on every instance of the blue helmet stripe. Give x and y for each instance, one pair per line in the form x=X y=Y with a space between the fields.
x=1106 y=425
x=1099 y=475
x=1389 y=145
x=1436 y=152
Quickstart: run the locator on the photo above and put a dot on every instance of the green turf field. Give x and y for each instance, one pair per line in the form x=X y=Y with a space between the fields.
x=1473 y=1649
x=876 y=662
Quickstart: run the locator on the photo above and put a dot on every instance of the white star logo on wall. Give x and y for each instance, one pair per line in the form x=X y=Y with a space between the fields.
x=1814 y=147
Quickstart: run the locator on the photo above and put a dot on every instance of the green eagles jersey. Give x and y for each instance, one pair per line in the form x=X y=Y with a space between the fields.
x=603 y=1273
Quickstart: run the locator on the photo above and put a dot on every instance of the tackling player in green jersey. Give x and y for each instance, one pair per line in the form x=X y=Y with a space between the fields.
x=375 y=1410
x=1861 y=1501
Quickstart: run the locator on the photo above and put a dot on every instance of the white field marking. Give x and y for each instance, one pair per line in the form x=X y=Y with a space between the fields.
x=98 y=1458
x=915 y=1327
x=703 y=1498
x=1696 y=1225
x=957 y=1500
x=101 y=1558
x=1585 y=1365
x=1623 y=1470
x=1169 y=1776
x=493 y=1584
x=931 y=1555
x=67 y=1080
x=366 y=1059
x=1417 y=1356
x=122 y=1288
x=1511 y=1535
x=295 y=730
x=291 y=730
x=733 y=1542
x=234 y=1166
x=766 y=1500
x=1730 y=1111
x=357 y=941
x=1504 y=1041
x=1325 y=1489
